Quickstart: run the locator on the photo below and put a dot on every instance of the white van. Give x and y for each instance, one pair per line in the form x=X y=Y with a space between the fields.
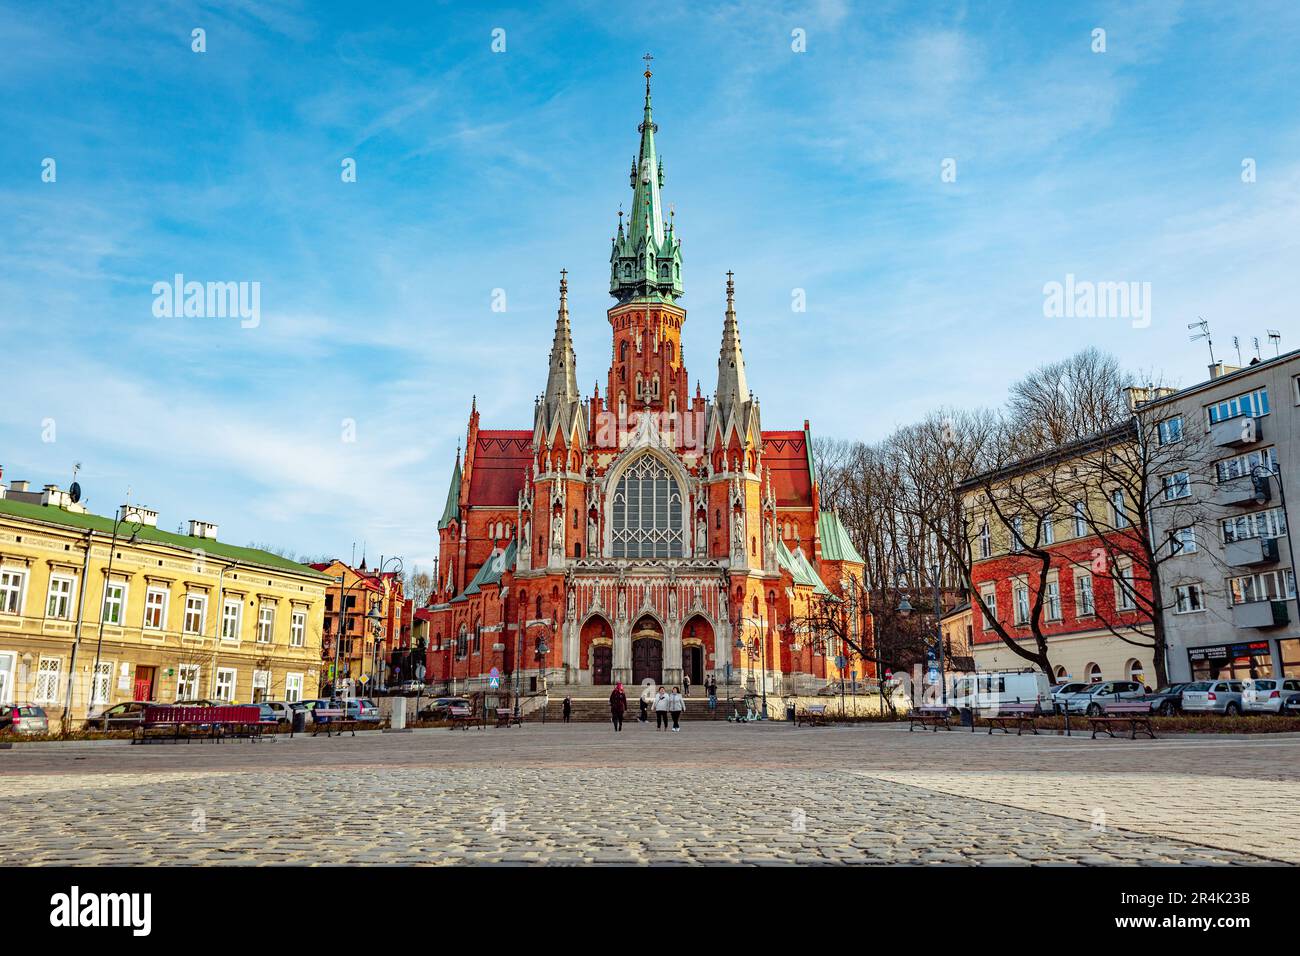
x=987 y=691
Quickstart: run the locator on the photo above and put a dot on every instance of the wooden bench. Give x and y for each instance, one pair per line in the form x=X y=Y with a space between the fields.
x=332 y=719
x=813 y=715
x=1022 y=715
x=934 y=717
x=1135 y=713
x=461 y=717
x=506 y=716
x=177 y=722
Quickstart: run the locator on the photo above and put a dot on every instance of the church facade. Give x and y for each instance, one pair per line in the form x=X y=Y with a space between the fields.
x=646 y=534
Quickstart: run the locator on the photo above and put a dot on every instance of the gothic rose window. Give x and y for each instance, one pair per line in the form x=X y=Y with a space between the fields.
x=647 y=518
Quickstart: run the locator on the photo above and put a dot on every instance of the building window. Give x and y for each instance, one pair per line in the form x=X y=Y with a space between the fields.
x=47 y=680
x=1253 y=404
x=1260 y=524
x=1052 y=601
x=1135 y=671
x=265 y=623
x=196 y=606
x=1170 y=431
x=155 y=609
x=187 y=681
x=1183 y=540
x=1017 y=538
x=1080 y=519
x=11 y=592
x=1265 y=586
x=231 y=612
x=1188 y=599
x=292 y=687
x=1093 y=674
x=1020 y=599
x=1178 y=485
x=1085 y=605
x=1125 y=597
x=1240 y=466
x=1049 y=529
x=986 y=540
x=114 y=603
x=647 y=512
x=59 y=603
x=1117 y=507
x=225 y=690
x=990 y=596
x=298 y=629
x=103 y=678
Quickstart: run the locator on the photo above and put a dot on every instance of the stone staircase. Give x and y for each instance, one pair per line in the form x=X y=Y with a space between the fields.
x=591 y=705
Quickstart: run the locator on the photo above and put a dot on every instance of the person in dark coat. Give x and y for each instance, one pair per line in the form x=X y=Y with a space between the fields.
x=568 y=709
x=618 y=705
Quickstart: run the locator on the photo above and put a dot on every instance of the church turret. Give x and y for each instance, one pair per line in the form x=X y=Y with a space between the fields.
x=646 y=260
x=732 y=387
x=734 y=425
x=561 y=404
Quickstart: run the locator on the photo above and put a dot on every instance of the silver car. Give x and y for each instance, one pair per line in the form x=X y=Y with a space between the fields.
x=1212 y=697
x=1061 y=691
x=1264 y=695
x=23 y=719
x=1091 y=698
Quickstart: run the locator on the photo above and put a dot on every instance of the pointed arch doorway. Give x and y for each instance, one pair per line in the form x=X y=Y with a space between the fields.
x=647 y=651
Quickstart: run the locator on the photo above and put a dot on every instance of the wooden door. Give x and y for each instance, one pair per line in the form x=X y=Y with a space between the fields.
x=143 y=682
x=602 y=663
x=647 y=660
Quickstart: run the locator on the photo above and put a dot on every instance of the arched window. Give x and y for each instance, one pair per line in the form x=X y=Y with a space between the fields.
x=672 y=403
x=575 y=517
x=647 y=512
x=622 y=351
x=622 y=405
x=539 y=605
x=1061 y=674
x=1093 y=674
x=717 y=519
x=577 y=549
x=1136 y=671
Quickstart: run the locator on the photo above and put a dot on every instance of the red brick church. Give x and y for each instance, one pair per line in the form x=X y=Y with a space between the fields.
x=644 y=534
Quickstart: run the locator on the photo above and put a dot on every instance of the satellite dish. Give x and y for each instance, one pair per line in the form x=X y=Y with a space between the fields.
x=74 y=493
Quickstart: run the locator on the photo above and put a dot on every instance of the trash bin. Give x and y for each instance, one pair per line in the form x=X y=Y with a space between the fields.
x=789 y=713
x=967 y=717
x=299 y=720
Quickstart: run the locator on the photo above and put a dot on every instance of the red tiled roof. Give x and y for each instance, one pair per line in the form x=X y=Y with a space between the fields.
x=786 y=453
x=500 y=459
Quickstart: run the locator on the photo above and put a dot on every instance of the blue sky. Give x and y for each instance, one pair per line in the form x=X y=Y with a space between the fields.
x=478 y=170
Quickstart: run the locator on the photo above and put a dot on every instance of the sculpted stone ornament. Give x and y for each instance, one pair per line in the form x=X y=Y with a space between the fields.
x=622 y=604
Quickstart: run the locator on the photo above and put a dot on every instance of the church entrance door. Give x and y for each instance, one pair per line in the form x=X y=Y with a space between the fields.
x=693 y=663
x=602 y=663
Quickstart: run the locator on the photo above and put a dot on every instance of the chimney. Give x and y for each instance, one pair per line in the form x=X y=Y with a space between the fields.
x=17 y=486
x=1220 y=369
x=145 y=516
x=202 y=529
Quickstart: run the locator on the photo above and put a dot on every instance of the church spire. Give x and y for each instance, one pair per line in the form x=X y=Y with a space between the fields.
x=645 y=263
x=562 y=398
x=732 y=387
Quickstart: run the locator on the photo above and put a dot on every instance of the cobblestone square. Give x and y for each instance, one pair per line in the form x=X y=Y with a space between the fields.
x=715 y=793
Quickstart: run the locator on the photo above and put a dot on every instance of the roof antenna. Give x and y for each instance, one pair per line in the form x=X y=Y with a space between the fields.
x=1236 y=344
x=1204 y=333
x=1275 y=337
x=1255 y=341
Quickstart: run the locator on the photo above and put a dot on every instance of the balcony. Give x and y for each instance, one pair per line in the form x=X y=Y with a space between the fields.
x=1250 y=552
x=1236 y=432
x=1260 y=614
x=1241 y=491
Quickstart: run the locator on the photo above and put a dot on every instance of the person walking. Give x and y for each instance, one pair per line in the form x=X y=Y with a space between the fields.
x=617 y=705
x=675 y=707
x=568 y=709
x=661 y=710
x=647 y=698
x=686 y=684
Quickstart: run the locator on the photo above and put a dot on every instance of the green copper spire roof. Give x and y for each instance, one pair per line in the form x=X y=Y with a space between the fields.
x=646 y=261
x=451 y=511
x=837 y=545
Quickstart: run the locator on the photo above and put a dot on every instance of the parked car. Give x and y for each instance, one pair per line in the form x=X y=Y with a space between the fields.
x=1091 y=698
x=440 y=708
x=282 y=709
x=1167 y=701
x=1212 y=697
x=1291 y=706
x=200 y=702
x=127 y=716
x=1263 y=695
x=361 y=708
x=23 y=719
x=310 y=705
x=1059 y=691
x=986 y=691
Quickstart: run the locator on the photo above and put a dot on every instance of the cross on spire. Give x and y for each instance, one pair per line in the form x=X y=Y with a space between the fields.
x=648 y=57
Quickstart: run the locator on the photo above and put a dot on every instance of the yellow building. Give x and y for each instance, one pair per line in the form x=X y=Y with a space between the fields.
x=164 y=617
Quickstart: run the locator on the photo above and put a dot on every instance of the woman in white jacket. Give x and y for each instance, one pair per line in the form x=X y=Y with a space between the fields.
x=675 y=707
x=661 y=710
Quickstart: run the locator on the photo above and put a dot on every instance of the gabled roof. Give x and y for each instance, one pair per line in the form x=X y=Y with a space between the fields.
x=799 y=568
x=787 y=454
x=836 y=543
x=501 y=458
x=490 y=572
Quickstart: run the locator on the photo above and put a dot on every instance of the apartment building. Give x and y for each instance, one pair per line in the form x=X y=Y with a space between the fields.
x=98 y=610
x=1227 y=501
